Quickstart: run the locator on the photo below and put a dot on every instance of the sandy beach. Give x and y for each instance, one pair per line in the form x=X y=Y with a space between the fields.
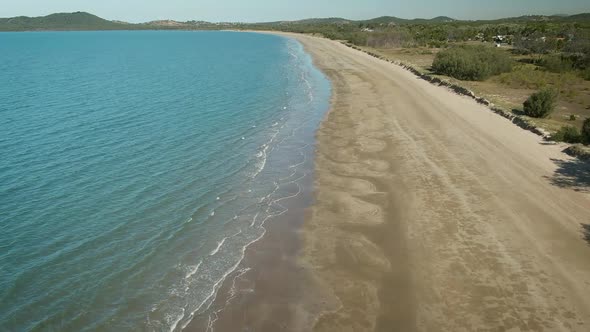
x=434 y=214
x=430 y=213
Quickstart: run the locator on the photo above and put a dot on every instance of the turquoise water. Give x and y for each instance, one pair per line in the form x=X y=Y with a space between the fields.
x=137 y=167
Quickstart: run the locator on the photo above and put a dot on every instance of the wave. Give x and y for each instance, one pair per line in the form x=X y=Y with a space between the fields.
x=287 y=185
x=219 y=244
x=194 y=270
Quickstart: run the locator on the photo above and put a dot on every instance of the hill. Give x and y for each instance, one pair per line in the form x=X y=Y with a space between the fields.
x=578 y=18
x=60 y=21
x=384 y=20
x=86 y=21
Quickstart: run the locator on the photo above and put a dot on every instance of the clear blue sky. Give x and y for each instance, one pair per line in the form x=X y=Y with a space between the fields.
x=274 y=10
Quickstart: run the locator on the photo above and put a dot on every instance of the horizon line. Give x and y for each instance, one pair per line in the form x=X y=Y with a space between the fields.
x=302 y=19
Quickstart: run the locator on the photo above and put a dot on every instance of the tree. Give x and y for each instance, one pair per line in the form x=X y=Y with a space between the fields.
x=540 y=104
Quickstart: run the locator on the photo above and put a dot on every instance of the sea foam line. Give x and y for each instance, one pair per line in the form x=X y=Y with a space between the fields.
x=219 y=244
x=173 y=326
x=267 y=148
x=213 y=294
x=214 y=316
x=194 y=270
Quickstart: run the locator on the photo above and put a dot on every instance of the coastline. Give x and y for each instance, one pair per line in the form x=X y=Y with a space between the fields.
x=430 y=213
x=268 y=289
x=434 y=214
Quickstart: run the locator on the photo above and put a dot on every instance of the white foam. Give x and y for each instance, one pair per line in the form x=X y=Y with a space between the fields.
x=214 y=316
x=193 y=270
x=254 y=219
x=177 y=320
x=233 y=289
x=219 y=244
x=212 y=295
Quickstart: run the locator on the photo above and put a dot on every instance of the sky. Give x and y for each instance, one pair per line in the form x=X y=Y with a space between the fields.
x=136 y=11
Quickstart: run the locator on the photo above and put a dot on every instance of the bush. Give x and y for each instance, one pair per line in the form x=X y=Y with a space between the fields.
x=586 y=131
x=568 y=134
x=540 y=104
x=557 y=64
x=573 y=117
x=472 y=63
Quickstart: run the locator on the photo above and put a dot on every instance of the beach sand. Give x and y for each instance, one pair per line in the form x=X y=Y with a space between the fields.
x=431 y=213
x=434 y=214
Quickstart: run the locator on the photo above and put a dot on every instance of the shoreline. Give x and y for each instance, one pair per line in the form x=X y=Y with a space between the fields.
x=434 y=214
x=430 y=213
x=267 y=288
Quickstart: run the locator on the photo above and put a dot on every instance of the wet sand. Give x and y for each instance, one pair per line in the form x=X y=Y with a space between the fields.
x=431 y=213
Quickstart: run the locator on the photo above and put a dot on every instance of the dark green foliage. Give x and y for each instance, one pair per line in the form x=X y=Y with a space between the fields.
x=394 y=38
x=586 y=131
x=540 y=104
x=572 y=117
x=532 y=43
x=557 y=64
x=473 y=63
x=568 y=134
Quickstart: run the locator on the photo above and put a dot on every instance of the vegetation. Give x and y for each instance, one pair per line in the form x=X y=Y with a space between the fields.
x=581 y=152
x=567 y=134
x=86 y=21
x=472 y=63
x=61 y=21
x=557 y=64
x=585 y=135
x=540 y=104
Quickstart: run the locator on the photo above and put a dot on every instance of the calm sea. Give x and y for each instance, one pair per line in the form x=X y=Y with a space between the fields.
x=136 y=167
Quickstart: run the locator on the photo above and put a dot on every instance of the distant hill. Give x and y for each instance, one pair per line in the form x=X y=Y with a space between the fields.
x=330 y=20
x=441 y=19
x=585 y=17
x=166 y=23
x=580 y=18
x=383 y=20
x=386 y=20
x=327 y=20
x=86 y=21
x=396 y=20
x=60 y=21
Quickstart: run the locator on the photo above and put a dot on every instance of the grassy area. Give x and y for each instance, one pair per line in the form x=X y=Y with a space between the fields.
x=510 y=90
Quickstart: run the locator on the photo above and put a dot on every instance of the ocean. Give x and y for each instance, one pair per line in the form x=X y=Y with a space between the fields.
x=137 y=166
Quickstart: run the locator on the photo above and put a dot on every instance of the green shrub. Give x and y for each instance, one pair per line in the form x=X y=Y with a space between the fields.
x=557 y=64
x=568 y=134
x=540 y=104
x=472 y=63
x=586 y=74
x=586 y=131
x=573 y=117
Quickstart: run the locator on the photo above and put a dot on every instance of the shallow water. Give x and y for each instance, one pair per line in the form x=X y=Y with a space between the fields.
x=137 y=167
